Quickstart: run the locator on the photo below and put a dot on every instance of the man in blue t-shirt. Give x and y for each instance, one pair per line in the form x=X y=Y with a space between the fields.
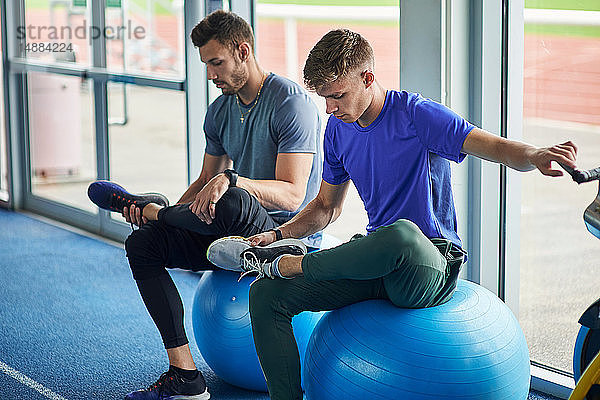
x=264 y=126
x=395 y=147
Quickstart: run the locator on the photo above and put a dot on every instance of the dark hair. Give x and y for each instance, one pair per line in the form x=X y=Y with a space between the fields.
x=225 y=27
x=337 y=53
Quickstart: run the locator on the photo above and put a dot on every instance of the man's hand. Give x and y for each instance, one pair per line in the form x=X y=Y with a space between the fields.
x=205 y=201
x=262 y=239
x=564 y=153
x=133 y=215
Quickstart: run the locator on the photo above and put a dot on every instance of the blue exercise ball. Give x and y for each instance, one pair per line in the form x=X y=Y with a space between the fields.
x=223 y=332
x=471 y=347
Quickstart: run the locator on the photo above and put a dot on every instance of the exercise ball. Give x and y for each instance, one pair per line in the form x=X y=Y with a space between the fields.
x=223 y=332
x=471 y=347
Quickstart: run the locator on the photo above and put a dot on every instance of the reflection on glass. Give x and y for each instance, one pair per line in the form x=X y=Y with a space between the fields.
x=61 y=138
x=150 y=39
x=148 y=151
x=57 y=31
x=559 y=259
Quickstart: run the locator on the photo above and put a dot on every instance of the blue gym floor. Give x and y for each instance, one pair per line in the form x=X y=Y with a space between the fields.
x=73 y=325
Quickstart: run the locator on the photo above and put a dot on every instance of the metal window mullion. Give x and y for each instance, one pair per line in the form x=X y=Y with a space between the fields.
x=14 y=16
x=23 y=65
x=134 y=79
x=484 y=177
x=4 y=100
x=100 y=101
x=196 y=91
x=503 y=168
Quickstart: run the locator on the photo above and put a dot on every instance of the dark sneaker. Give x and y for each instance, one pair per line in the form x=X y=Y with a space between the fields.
x=226 y=252
x=259 y=260
x=110 y=196
x=171 y=386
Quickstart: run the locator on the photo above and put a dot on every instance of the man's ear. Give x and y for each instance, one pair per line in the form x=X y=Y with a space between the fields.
x=368 y=78
x=244 y=51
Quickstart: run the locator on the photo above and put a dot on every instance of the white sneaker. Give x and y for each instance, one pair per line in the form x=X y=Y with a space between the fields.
x=226 y=252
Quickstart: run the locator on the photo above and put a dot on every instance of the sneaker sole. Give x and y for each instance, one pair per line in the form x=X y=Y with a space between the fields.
x=159 y=195
x=201 y=396
x=225 y=252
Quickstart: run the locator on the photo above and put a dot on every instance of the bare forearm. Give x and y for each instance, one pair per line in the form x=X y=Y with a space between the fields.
x=275 y=194
x=313 y=218
x=516 y=155
x=194 y=188
x=513 y=154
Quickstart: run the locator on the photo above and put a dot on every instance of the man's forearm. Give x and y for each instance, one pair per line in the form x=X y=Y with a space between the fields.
x=313 y=218
x=516 y=155
x=195 y=187
x=275 y=194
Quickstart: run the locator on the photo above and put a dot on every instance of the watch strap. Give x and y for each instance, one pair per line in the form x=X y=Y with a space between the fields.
x=232 y=175
x=278 y=235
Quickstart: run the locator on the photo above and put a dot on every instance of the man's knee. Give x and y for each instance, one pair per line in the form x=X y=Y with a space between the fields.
x=402 y=233
x=135 y=245
x=265 y=299
x=232 y=202
x=143 y=253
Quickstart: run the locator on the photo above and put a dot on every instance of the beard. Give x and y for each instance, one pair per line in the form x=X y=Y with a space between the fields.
x=239 y=77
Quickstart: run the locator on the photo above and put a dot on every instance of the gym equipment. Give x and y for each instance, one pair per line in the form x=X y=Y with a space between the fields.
x=586 y=358
x=471 y=347
x=223 y=332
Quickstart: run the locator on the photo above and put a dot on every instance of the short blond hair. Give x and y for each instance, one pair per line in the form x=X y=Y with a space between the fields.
x=337 y=53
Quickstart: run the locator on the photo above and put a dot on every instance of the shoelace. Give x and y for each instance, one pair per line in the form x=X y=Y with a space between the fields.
x=251 y=264
x=163 y=380
x=119 y=203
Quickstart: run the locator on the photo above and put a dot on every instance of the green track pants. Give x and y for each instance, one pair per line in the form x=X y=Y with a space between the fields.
x=396 y=262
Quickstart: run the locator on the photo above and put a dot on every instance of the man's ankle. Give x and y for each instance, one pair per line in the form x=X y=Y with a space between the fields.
x=189 y=374
x=288 y=266
x=150 y=211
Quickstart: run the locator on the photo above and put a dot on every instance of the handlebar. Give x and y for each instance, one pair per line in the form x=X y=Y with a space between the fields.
x=582 y=176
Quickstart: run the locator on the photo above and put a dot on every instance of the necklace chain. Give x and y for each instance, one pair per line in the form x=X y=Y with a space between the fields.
x=237 y=100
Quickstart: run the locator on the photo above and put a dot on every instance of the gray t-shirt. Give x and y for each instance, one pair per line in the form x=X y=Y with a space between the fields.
x=284 y=120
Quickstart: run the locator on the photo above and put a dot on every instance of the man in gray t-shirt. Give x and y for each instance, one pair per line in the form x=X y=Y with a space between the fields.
x=261 y=166
x=282 y=121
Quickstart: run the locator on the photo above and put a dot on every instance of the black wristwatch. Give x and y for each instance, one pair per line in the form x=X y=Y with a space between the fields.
x=278 y=235
x=232 y=175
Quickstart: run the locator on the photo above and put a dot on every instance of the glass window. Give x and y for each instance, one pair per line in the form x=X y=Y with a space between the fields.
x=3 y=149
x=559 y=258
x=146 y=37
x=148 y=152
x=57 y=31
x=284 y=38
x=61 y=138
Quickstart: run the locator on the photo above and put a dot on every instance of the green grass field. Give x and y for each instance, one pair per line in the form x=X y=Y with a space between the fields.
x=583 y=5
x=564 y=30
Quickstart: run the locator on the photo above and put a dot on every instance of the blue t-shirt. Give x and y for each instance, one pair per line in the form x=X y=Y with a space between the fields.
x=283 y=120
x=399 y=163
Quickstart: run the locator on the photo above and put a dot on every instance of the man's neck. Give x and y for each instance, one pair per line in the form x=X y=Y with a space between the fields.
x=249 y=91
x=375 y=107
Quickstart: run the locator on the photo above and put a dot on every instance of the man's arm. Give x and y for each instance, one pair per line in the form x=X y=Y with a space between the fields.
x=518 y=155
x=285 y=192
x=211 y=166
x=288 y=190
x=320 y=212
